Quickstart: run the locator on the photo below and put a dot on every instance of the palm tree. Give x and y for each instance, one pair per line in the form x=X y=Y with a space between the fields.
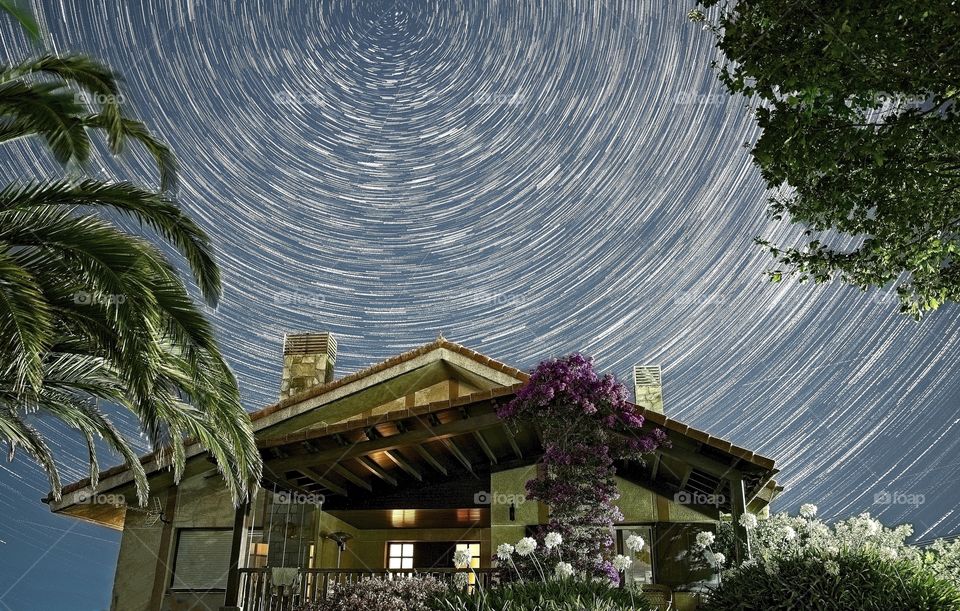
x=93 y=314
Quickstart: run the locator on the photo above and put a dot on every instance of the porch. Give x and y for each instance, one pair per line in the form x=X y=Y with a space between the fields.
x=258 y=593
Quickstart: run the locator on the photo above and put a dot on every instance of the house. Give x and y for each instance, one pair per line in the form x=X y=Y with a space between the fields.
x=390 y=470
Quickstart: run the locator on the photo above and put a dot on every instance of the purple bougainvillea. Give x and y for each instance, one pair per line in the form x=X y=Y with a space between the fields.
x=587 y=424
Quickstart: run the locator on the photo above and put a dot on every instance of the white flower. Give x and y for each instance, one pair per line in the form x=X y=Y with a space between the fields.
x=526 y=546
x=832 y=567
x=748 y=521
x=461 y=580
x=552 y=540
x=772 y=569
x=563 y=570
x=621 y=562
x=705 y=538
x=748 y=563
x=504 y=550
x=889 y=553
x=461 y=558
x=788 y=533
x=808 y=511
x=634 y=543
x=720 y=559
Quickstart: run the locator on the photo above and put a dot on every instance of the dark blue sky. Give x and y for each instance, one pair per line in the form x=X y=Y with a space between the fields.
x=528 y=180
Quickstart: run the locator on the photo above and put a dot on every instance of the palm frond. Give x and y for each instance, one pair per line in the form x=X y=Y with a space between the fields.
x=26 y=325
x=47 y=110
x=24 y=17
x=121 y=128
x=154 y=209
x=18 y=434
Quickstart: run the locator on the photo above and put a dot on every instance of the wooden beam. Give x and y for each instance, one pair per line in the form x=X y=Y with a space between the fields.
x=453 y=449
x=232 y=594
x=513 y=441
x=348 y=475
x=738 y=506
x=326 y=483
x=398 y=460
x=364 y=448
x=374 y=468
x=485 y=447
x=656 y=466
x=431 y=459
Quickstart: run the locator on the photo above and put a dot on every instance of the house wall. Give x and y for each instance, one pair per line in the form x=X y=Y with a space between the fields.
x=506 y=487
x=141 y=563
x=145 y=563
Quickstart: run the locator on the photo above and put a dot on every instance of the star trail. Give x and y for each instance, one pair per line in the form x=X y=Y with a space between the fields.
x=528 y=178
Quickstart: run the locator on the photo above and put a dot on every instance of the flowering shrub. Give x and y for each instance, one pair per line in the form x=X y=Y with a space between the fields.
x=551 y=595
x=587 y=424
x=407 y=594
x=846 y=580
x=855 y=563
x=782 y=535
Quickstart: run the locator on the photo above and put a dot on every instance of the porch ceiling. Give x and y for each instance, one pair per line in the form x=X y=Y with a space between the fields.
x=469 y=517
x=395 y=455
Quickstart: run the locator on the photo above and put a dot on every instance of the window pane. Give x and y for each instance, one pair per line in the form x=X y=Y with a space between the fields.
x=407 y=563
x=408 y=550
x=395 y=563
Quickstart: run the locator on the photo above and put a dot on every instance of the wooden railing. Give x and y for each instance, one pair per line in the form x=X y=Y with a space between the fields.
x=258 y=594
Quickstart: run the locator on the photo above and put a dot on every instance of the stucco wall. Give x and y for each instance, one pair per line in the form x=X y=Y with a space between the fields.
x=140 y=553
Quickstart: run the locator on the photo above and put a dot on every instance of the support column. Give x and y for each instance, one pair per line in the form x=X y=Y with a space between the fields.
x=232 y=596
x=738 y=504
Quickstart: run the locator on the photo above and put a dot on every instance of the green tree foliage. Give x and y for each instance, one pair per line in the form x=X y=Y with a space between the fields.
x=861 y=135
x=91 y=313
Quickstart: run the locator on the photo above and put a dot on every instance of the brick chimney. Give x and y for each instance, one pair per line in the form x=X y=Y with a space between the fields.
x=308 y=360
x=647 y=387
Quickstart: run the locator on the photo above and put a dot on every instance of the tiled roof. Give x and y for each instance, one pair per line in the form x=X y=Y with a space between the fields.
x=316 y=391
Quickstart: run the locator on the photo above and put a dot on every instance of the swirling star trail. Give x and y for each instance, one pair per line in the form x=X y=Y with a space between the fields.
x=530 y=178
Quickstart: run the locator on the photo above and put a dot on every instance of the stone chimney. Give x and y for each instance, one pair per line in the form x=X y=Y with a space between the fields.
x=647 y=387
x=308 y=360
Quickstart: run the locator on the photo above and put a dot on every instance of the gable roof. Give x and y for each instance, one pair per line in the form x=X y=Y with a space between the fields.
x=275 y=438
x=284 y=410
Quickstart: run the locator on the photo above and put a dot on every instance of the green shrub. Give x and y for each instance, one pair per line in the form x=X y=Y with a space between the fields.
x=556 y=595
x=833 y=582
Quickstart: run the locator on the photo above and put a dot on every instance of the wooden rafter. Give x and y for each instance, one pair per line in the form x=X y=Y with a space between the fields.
x=431 y=459
x=376 y=469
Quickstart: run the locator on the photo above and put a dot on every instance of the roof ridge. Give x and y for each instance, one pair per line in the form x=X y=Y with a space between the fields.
x=439 y=342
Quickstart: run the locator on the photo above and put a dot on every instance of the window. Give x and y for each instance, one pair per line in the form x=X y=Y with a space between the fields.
x=400 y=555
x=258 y=551
x=202 y=559
x=641 y=571
x=474 y=549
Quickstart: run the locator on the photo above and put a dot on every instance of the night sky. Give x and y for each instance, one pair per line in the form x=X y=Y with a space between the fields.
x=530 y=178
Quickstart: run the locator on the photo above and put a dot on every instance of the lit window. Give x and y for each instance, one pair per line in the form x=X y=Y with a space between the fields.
x=400 y=555
x=474 y=549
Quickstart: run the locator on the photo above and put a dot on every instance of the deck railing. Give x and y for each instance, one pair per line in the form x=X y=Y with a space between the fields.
x=258 y=594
